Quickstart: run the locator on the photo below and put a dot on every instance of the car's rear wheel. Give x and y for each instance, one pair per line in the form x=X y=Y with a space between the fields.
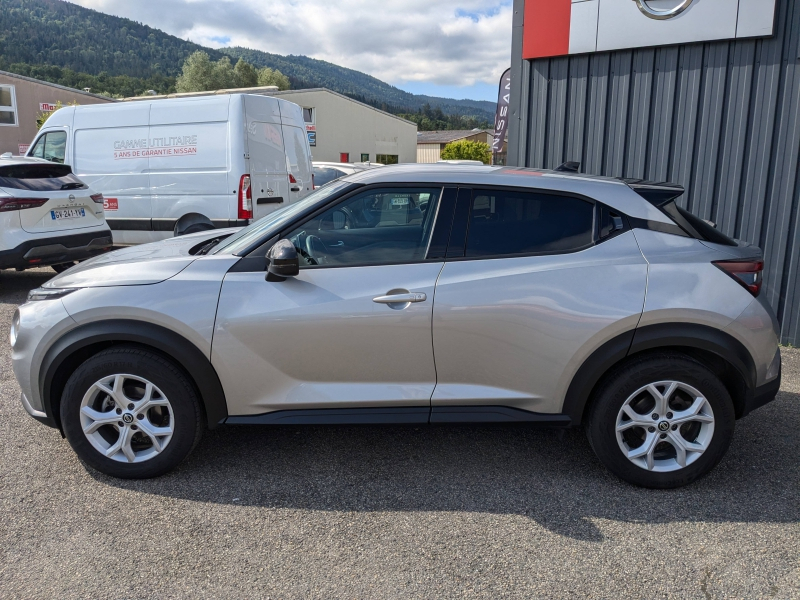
x=661 y=421
x=130 y=413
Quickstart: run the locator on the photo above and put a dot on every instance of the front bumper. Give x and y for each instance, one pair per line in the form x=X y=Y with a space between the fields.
x=56 y=250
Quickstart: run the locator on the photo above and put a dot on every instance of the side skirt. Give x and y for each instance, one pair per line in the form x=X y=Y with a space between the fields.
x=401 y=416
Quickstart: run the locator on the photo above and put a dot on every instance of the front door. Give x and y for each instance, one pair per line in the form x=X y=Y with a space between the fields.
x=353 y=329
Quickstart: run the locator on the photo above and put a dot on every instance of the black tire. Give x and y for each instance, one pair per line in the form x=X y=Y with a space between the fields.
x=60 y=268
x=166 y=376
x=624 y=381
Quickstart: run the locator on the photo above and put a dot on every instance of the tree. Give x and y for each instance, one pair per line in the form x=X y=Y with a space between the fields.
x=201 y=74
x=468 y=150
x=245 y=74
x=267 y=76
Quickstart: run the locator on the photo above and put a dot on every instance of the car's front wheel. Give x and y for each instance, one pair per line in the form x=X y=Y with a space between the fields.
x=130 y=413
x=661 y=421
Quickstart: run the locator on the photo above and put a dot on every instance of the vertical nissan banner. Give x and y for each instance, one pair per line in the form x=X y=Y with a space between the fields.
x=562 y=27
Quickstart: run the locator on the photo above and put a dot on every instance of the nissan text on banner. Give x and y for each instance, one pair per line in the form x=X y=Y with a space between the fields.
x=561 y=27
x=501 y=116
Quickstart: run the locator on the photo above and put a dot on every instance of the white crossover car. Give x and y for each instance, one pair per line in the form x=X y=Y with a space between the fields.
x=47 y=216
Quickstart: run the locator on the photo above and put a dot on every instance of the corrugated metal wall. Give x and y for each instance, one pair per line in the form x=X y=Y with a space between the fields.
x=722 y=119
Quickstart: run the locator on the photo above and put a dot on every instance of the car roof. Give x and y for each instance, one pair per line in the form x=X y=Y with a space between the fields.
x=335 y=164
x=611 y=191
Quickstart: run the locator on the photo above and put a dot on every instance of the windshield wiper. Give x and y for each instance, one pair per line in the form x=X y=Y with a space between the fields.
x=76 y=185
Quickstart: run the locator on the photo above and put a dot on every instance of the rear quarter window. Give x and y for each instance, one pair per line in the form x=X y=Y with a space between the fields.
x=39 y=178
x=507 y=223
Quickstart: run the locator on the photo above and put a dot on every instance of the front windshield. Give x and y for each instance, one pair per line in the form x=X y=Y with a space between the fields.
x=273 y=222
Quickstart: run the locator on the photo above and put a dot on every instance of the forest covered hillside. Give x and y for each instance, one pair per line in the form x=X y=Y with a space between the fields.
x=67 y=44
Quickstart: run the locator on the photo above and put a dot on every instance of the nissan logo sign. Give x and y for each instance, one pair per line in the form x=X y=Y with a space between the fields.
x=661 y=14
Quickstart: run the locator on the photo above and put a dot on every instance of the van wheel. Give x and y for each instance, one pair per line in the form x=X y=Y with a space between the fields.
x=60 y=268
x=661 y=421
x=130 y=413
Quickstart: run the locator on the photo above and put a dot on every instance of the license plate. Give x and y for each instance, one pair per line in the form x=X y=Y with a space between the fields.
x=67 y=213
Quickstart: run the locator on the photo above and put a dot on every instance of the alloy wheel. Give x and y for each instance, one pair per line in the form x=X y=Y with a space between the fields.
x=665 y=426
x=127 y=418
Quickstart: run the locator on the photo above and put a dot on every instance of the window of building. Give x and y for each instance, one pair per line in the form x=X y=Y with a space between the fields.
x=384 y=226
x=344 y=157
x=365 y=158
x=503 y=223
x=51 y=146
x=308 y=116
x=8 y=106
x=387 y=159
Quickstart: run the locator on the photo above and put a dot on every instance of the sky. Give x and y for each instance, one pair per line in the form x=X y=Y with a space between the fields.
x=449 y=48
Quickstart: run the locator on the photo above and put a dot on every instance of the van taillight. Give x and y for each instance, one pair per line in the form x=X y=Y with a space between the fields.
x=292 y=179
x=245 y=198
x=97 y=198
x=748 y=273
x=313 y=182
x=8 y=204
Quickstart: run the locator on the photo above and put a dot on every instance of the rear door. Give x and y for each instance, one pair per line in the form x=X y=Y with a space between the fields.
x=526 y=295
x=57 y=200
x=298 y=162
x=269 y=178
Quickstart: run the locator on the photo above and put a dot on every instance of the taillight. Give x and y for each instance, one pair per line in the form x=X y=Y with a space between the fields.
x=245 y=198
x=97 y=198
x=313 y=182
x=747 y=272
x=292 y=179
x=7 y=204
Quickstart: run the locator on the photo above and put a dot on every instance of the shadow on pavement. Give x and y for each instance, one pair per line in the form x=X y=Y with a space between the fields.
x=550 y=477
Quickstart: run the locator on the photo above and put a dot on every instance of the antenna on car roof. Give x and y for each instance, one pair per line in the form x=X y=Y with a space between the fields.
x=570 y=166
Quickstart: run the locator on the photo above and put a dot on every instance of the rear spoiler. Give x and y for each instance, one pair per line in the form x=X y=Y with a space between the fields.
x=656 y=193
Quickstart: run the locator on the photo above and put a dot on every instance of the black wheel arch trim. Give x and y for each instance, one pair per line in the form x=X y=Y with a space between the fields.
x=653 y=337
x=120 y=331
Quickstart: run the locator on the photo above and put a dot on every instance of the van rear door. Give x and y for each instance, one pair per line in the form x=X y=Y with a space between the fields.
x=268 y=175
x=298 y=162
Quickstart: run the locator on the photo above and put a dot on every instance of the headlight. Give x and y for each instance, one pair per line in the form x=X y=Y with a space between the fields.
x=49 y=293
x=12 y=336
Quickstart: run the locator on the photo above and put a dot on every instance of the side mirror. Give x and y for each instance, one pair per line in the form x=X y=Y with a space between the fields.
x=283 y=261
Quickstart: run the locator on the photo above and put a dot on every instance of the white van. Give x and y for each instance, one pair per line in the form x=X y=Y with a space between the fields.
x=230 y=158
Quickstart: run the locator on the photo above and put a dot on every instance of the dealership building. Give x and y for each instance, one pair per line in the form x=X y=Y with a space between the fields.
x=703 y=93
x=21 y=101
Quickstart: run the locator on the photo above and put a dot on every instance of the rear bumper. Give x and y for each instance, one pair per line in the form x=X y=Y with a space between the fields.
x=762 y=395
x=56 y=250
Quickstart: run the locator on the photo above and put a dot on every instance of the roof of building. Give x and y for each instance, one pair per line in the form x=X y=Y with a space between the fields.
x=58 y=87
x=445 y=137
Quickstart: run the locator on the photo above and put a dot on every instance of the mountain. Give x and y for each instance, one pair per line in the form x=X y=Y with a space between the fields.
x=90 y=46
x=305 y=72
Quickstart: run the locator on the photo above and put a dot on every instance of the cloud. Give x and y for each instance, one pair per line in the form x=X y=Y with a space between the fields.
x=444 y=42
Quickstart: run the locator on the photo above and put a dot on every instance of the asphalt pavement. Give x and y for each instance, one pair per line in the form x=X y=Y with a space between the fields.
x=394 y=512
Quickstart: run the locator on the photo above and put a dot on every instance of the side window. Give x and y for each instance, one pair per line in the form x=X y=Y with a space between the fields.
x=323 y=175
x=386 y=226
x=506 y=223
x=38 y=149
x=55 y=146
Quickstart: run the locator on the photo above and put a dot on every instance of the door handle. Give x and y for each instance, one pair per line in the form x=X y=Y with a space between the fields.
x=401 y=298
x=295 y=189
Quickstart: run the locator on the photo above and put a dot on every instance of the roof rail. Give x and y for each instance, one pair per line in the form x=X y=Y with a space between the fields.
x=657 y=193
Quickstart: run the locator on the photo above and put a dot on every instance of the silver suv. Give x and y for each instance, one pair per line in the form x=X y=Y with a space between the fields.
x=415 y=294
